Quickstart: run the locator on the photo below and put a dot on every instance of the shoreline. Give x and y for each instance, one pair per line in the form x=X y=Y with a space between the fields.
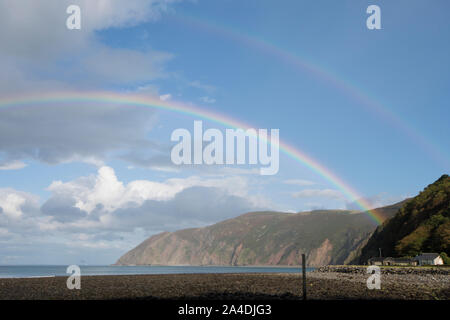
x=209 y=265
x=230 y=286
x=105 y=270
x=400 y=270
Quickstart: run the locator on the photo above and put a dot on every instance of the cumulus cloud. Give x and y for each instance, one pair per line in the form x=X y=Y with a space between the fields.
x=55 y=133
x=100 y=204
x=13 y=204
x=39 y=53
x=100 y=211
x=117 y=13
x=105 y=191
x=29 y=27
x=12 y=165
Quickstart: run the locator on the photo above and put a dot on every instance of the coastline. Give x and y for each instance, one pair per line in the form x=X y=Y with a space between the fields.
x=42 y=271
x=321 y=285
x=212 y=265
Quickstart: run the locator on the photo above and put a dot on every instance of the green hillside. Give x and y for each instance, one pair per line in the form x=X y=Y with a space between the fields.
x=421 y=225
x=262 y=238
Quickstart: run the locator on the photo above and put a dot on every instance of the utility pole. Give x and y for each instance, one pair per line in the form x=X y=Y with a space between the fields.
x=380 y=252
x=304 y=275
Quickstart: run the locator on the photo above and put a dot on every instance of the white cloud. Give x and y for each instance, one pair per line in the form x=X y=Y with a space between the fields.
x=13 y=165
x=102 y=205
x=39 y=53
x=100 y=211
x=33 y=22
x=165 y=97
x=321 y=193
x=118 y=13
x=105 y=191
x=76 y=132
x=13 y=203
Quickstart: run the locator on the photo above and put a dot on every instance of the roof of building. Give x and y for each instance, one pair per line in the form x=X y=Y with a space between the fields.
x=376 y=259
x=427 y=256
x=382 y=259
x=399 y=259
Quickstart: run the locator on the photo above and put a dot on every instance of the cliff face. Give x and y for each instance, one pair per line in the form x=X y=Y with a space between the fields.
x=421 y=225
x=261 y=238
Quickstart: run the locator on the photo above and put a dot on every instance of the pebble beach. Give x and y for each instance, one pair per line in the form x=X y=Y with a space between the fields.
x=327 y=283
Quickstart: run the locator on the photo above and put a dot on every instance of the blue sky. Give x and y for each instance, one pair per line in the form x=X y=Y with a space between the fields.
x=79 y=170
x=404 y=67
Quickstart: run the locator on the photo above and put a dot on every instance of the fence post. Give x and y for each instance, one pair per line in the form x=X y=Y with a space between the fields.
x=304 y=275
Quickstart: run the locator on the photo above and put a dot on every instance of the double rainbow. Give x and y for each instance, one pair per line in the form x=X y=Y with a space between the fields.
x=326 y=75
x=156 y=103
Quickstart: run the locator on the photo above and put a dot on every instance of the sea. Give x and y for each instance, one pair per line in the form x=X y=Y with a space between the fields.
x=38 y=271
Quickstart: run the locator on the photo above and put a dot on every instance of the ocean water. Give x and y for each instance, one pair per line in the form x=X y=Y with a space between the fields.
x=54 y=271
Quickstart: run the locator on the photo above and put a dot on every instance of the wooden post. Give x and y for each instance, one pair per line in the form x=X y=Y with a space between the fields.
x=304 y=275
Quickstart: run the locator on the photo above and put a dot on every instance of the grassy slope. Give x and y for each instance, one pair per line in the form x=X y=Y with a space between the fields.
x=421 y=225
x=262 y=238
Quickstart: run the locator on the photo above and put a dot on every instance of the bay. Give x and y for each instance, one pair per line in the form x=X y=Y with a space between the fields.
x=35 y=271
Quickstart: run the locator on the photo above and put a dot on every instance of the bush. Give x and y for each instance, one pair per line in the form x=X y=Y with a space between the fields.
x=445 y=257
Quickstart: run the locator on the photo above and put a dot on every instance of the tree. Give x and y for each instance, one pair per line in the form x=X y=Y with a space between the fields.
x=445 y=257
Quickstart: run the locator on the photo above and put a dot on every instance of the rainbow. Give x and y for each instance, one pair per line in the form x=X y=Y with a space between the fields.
x=302 y=64
x=190 y=110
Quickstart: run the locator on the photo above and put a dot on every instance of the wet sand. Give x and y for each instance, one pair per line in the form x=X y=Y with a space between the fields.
x=320 y=286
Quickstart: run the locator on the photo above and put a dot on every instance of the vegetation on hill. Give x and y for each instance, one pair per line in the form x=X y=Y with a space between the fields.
x=262 y=238
x=421 y=225
x=446 y=258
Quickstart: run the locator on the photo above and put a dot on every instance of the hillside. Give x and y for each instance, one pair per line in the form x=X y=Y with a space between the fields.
x=262 y=238
x=421 y=225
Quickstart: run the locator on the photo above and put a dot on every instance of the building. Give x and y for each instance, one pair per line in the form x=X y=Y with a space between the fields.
x=389 y=261
x=429 y=259
x=375 y=261
x=399 y=262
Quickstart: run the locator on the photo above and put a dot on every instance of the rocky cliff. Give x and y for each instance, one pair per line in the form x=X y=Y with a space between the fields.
x=262 y=238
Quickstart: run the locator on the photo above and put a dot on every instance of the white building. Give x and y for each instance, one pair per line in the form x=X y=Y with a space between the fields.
x=426 y=259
